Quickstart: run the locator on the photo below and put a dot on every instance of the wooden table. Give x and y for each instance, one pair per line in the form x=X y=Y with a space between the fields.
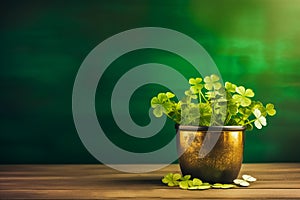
x=100 y=182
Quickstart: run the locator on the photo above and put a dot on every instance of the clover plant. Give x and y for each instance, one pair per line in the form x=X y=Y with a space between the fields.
x=209 y=103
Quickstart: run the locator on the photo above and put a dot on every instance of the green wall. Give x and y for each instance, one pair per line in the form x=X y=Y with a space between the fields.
x=254 y=43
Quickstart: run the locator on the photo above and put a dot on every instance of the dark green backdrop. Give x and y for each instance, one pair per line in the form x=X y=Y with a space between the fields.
x=254 y=43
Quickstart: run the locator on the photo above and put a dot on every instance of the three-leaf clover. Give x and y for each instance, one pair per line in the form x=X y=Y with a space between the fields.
x=161 y=104
x=270 y=109
x=190 y=94
x=212 y=82
x=242 y=96
x=230 y=87
x=196 y=85
x=171 y=179
x=185 y=182
x=260 y=120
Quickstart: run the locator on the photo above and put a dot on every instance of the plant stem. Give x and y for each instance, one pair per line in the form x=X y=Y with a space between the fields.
x=199 y=96
x=227 y=118
x=203 y=96
x=249 y=122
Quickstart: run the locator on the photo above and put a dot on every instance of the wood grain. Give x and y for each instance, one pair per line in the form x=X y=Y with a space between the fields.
x=275 y=181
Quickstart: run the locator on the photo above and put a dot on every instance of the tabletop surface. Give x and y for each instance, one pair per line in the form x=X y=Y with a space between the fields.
x=275 y=181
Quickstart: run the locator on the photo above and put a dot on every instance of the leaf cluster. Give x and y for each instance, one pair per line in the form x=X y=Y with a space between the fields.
x=209 y=103
x=186 y=183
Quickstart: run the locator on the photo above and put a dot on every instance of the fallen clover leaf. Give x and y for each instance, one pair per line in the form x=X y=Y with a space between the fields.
x=248 y=178
x=171 y=179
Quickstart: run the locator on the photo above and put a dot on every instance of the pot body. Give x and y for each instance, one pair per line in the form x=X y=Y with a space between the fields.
x=213 y=154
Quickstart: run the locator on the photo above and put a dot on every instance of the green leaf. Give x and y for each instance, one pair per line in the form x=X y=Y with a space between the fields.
x=270 y=109
x=171 y=179
x=185 y=178
x=211 y=94
x=184 y=185
x=246 y=93
x=176 y=177
x=207 y=184
x=192 y=188
x=217 y=185
x=240 y=90
x=249 y=93
x=170 y=95
x=193 y=184
x=197 y=182
x=158 y=111
x=230 y=87
x=203 y=187
x=196 y=85
x=195 y=81
x=227 y=186
x=232 y=108
x=196 y=89
x=223 y=186
x=212 y=82
x=190 y=94
x=162 y=97
x=242 y=100
x=154 y=102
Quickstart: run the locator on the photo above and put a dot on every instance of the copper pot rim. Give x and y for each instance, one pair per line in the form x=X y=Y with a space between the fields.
x=209 y=128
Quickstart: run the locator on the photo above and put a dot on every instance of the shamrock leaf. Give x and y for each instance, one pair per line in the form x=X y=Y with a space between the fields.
x=232 y=108
x=185 y=178
x=258 y=105
x=230 y=87
x=245 y=112
x=190 y=114
x=242 y=96
x=247 y=93
x=260 y=120
x=241 y=182
x=158 y=111
x=157 y=106
x=197 y=182
x=196 y=85
x=270 y=109
x=161 y=104
x=212 y=82
x=211 y=94
x=185 y=182
x=170 y=95
x=171 y=179
x=190 y=94
x=223 y=186
x=195 y=81
x=248 y=178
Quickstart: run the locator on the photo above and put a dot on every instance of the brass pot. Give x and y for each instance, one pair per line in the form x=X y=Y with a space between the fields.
x=213 y=154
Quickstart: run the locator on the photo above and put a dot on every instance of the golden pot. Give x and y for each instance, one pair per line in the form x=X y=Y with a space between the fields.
x=213 y=154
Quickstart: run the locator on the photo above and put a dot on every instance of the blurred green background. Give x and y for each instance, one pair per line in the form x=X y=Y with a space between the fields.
x=43 y=43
